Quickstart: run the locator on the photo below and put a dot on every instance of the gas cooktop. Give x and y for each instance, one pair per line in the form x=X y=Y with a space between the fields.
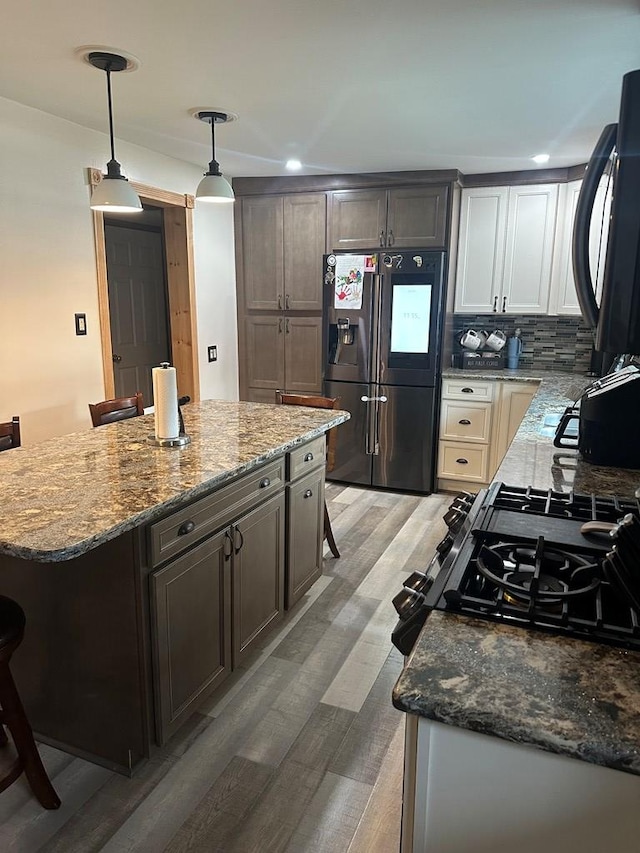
x=527 y=557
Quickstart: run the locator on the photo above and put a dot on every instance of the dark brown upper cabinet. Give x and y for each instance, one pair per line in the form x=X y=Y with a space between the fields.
x=401 y=218
x=283 y=240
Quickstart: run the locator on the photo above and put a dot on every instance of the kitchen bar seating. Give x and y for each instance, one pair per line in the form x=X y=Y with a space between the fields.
x=318 y=403
x=12 y=714
x=10 y=434
x=119 y=409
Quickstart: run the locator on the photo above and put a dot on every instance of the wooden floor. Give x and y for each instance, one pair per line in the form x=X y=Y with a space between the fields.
x=302 y=752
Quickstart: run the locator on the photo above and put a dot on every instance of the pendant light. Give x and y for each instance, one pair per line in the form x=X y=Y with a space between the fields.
x=114 y=193
x=213 y=187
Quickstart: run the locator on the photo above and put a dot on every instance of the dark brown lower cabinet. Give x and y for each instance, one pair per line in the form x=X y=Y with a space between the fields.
x=258 y=565
x=191 y=606
x=209 y=607
x=305 y=525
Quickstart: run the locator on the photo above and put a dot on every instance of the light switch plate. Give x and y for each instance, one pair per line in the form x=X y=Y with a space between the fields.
x=212 y=353
x=81 y=324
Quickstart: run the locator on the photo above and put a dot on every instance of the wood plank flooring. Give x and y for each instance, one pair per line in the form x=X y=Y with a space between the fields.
x=300 y=751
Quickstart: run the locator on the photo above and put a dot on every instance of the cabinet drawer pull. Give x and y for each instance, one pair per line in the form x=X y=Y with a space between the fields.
x=265 y=482
x=467 y=390
x=227 y=547
x=308 y=494
x=186 y=527
x=239 y=533
x=308 y=457
x=464 y=421
x=462 y=461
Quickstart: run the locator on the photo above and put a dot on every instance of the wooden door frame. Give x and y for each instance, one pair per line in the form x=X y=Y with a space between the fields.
x=179 y=258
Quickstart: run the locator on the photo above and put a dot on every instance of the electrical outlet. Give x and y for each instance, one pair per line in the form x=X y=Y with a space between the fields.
x=212 y=353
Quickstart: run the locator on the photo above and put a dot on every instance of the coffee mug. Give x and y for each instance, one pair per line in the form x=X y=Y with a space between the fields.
x=473 y=340
x=496 y=340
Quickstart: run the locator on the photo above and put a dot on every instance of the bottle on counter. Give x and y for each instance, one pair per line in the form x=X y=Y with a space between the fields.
x=514 y=349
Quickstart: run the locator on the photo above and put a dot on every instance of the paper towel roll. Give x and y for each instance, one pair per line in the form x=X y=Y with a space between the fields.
x=165 y=400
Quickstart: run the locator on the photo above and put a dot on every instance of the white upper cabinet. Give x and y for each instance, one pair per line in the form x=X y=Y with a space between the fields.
x=563 y=299
x=506 y=249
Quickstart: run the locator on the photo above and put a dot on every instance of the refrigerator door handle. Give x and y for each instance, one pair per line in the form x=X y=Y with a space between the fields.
x=382 y=399
x=374 y=372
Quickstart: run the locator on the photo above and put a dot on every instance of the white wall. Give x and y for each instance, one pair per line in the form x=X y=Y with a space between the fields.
x=48 y=375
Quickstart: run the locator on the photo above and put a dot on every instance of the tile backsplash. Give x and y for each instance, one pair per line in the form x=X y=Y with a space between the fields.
x=560 y=342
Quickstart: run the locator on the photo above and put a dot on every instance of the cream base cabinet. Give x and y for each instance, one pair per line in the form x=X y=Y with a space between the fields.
x=465 y=792
x=478 y=421
x=505 y=249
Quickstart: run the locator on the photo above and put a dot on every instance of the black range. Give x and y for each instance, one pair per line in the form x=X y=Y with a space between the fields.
x=545 y=560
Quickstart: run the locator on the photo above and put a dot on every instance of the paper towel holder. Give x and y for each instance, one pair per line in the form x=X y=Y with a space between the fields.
x=182 y=438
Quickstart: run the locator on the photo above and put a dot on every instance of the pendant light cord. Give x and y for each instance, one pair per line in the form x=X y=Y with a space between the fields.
x=113 y=152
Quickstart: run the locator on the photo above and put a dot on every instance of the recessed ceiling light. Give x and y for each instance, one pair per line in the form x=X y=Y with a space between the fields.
x=293 y=165
x=541 y=158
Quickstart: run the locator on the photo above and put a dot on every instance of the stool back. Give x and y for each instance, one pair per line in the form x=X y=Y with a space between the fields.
x=119 y=409
x=10 y=434
x=316 y=403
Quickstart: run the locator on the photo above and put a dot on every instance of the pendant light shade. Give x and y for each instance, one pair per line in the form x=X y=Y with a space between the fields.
x=114 y=193
x=214 y=187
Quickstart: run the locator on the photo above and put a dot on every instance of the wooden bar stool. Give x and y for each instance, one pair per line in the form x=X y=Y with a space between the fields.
x=10 y=434
x=119 y=409
x=12 y=715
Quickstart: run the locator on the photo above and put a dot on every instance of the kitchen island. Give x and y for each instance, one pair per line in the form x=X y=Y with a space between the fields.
x=148 y=573
x=518 y=739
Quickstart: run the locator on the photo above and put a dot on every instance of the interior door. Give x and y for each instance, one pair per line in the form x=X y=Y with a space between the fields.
x=137 y=306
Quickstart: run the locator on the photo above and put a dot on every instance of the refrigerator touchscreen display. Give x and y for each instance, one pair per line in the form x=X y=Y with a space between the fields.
x=410 y=318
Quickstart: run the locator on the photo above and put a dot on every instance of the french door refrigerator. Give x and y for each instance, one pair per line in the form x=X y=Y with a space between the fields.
x=383 y=318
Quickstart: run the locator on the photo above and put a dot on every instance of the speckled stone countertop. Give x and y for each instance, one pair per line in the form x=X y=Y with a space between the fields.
x=566 y=696
x=571 y=697
x=69 y=494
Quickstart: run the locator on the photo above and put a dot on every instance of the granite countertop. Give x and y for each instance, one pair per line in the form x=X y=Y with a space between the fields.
x=69 y=494
x=562 y=695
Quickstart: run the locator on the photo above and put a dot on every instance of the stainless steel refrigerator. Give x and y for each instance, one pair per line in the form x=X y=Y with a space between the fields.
x=383 y=319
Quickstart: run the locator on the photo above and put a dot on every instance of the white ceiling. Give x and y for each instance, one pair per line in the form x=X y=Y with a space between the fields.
x=343 y=85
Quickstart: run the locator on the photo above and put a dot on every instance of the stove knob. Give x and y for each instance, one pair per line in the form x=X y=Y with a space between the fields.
x=406 y=602
x=418 y=581
x=443 y=548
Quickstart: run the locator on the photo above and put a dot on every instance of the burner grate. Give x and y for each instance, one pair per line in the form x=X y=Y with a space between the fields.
x=564 y=505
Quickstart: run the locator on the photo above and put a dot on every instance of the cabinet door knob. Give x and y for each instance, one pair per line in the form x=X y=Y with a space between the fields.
x=382 y=238
x=462 y=461
x=265 y=482
x=495 y=303
x=308 y=457
x=464 y=421
x=186 y=527
x=467 y=390
x=308 y=494
x=504 y=304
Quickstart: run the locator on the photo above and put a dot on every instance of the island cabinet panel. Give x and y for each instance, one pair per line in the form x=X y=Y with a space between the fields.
x=257 y=570
x=79 y=669
x=402 y=217
x=192 y=628
x=305 y=519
